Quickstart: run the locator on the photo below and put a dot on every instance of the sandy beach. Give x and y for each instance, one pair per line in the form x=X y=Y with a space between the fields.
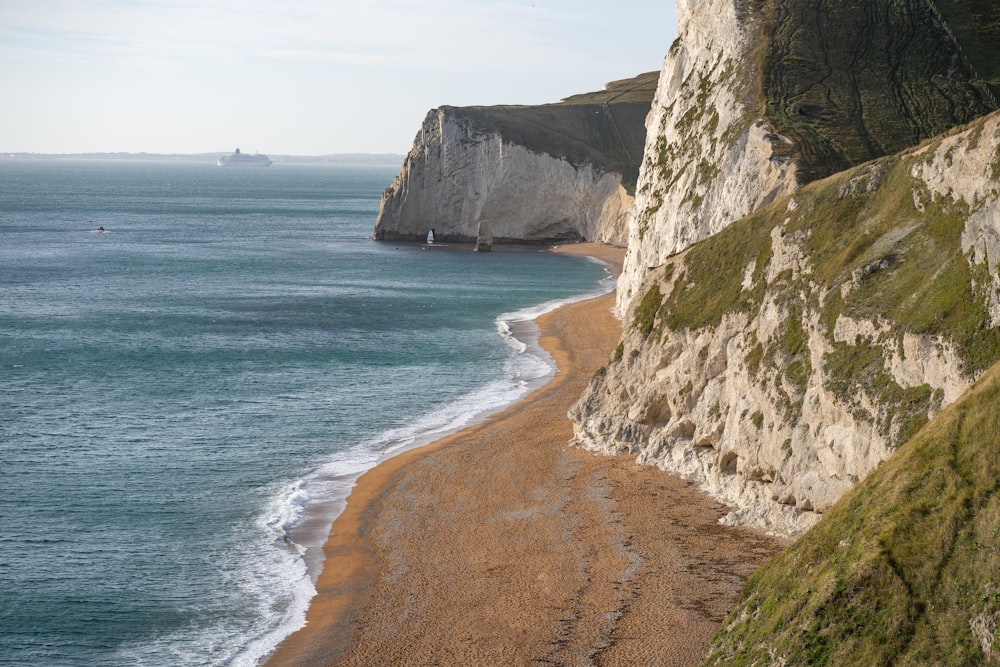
x=505 y=545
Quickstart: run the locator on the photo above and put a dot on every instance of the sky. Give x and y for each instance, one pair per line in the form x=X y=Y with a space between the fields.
x=298 y=77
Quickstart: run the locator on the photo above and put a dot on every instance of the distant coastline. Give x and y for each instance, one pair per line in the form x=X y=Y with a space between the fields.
x=374 y=159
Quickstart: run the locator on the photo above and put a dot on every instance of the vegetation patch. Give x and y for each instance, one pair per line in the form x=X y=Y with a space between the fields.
x=754 y=357
x=644 y=320
x=856 y=372
x=795 y=350
x=703 y=354
x=898 y=571
x=705 y=292
x=895 y=263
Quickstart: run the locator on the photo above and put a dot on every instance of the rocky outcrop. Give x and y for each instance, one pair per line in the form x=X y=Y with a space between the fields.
x=779 y=361
x=757 y=97
x=559 y=172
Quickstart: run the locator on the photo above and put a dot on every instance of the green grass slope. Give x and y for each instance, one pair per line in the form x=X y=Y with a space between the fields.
x=905 y=570
x=854 y=80
x=606 y=128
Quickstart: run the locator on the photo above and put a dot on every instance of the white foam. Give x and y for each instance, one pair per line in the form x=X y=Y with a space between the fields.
x=530 y=313
x=289 y=575
x=265 y=575
x=286 y=510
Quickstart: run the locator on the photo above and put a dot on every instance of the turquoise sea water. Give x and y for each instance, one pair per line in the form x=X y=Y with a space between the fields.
x=186 y=398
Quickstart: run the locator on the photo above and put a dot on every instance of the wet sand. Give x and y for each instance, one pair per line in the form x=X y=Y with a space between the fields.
x=504 y=545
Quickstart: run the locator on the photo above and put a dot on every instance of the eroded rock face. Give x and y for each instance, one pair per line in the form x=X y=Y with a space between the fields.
x=779 y=364
x=459 y=174
x=781 y=360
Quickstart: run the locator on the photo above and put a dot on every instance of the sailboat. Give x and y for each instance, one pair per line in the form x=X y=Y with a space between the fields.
x=430 y=236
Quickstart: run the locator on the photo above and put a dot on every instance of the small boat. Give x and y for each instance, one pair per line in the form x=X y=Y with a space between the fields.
x=430 y=236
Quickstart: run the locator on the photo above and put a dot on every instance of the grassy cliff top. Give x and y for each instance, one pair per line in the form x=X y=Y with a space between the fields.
x=606 y=129
x=637 y=89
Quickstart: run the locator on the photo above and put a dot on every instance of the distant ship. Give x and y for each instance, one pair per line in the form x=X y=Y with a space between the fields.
x=239 y=159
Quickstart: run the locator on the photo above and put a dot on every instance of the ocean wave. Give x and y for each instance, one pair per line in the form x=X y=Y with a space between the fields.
x=531 y=313
x=281 y=613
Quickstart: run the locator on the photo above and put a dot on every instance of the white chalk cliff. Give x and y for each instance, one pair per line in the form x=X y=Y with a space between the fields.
x=460 y=175
x=709 y=158
x=541 y=173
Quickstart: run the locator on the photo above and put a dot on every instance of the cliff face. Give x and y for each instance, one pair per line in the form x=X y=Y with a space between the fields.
x=757 y=97
x=709 y=160
x=459 y=176
x=759 y=362
x=779 y=361
x=560 y=172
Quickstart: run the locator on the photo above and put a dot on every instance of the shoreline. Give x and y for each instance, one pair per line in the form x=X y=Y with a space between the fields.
x=500 y=544
x=520 y=326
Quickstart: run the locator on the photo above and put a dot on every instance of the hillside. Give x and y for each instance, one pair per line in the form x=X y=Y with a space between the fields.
x=903 y=571
x=845 y=86
x=639 y=88
x=975 y=25
x=604 y=128
x=778 y=362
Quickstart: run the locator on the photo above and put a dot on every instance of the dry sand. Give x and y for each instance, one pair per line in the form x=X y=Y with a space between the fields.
x=504 y=545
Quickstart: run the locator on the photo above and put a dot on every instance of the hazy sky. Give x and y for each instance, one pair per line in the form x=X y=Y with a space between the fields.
x=298 y=76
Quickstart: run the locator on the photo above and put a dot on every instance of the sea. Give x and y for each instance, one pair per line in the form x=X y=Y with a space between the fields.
x=188 y=394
